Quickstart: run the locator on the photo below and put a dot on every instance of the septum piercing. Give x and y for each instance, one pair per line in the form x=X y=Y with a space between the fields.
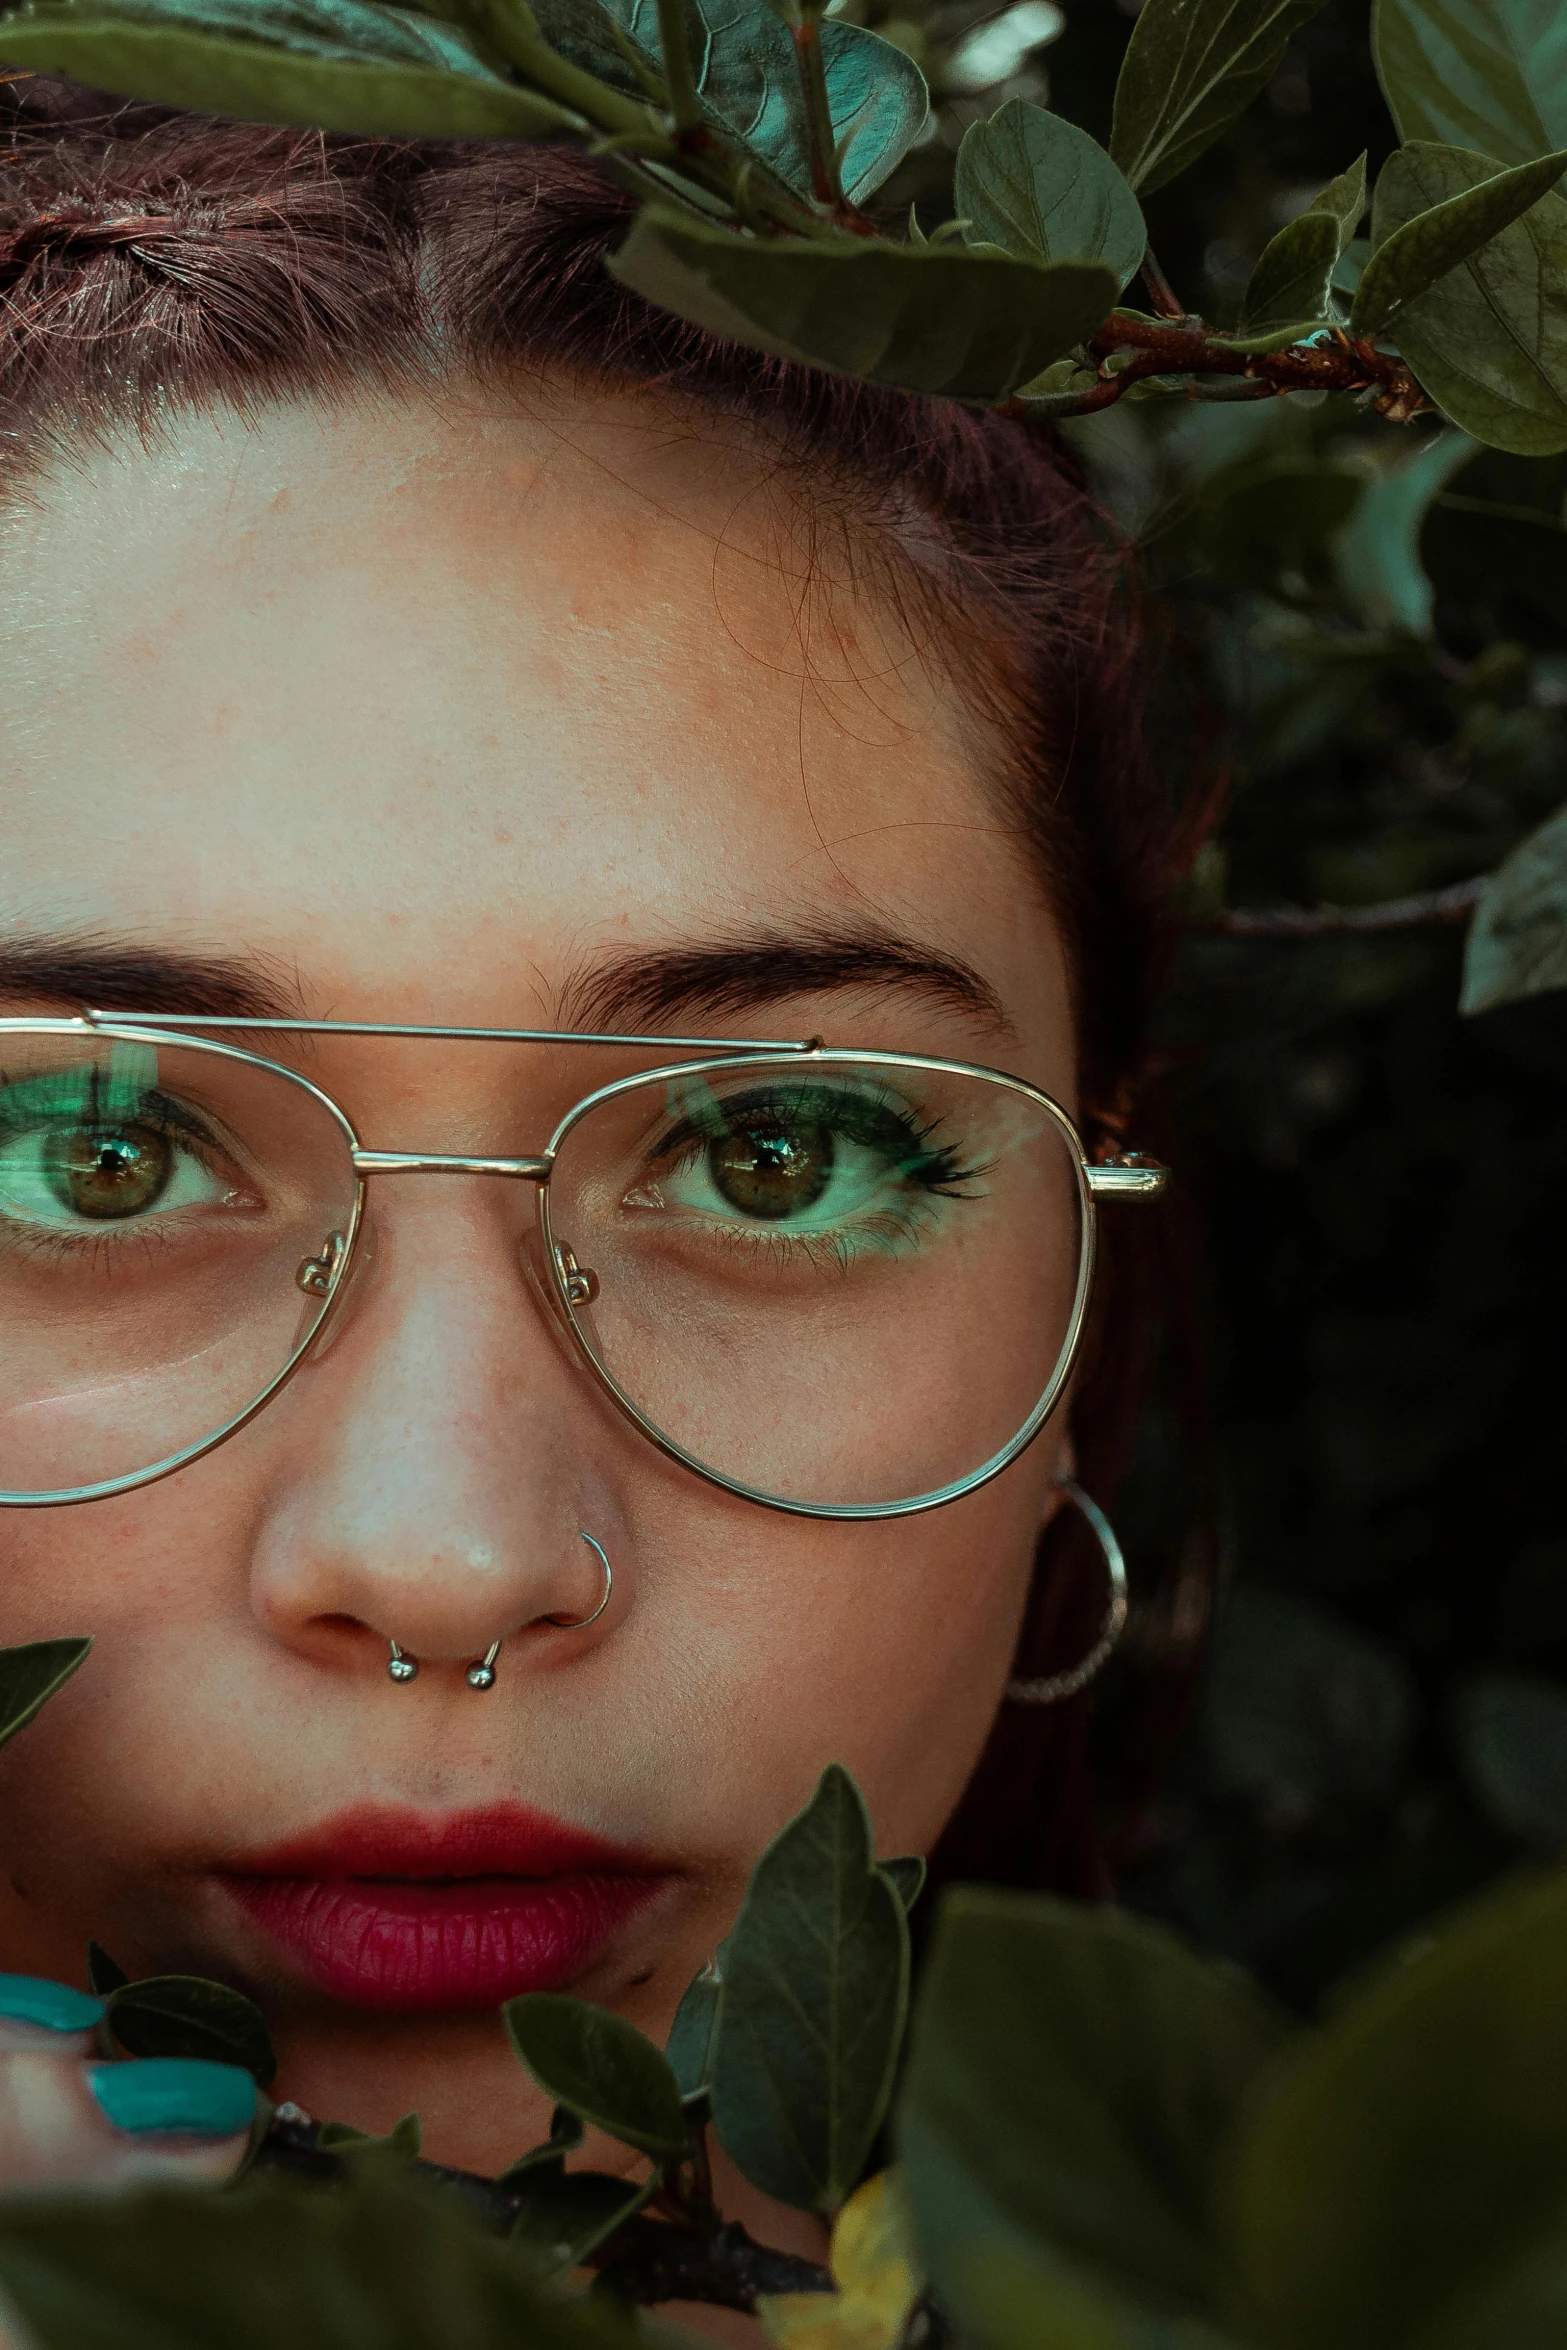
x=482 y=1675
x=403 y=1667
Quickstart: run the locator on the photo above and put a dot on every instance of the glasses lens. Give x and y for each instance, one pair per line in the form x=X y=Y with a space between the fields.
x=846 y=1285
x=167 y=1223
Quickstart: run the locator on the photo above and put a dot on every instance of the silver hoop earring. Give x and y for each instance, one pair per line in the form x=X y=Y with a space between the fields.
x=1055 y=1686
x=581 y=1623
x=402 y=1667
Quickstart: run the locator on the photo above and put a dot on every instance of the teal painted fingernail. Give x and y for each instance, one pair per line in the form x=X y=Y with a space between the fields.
x=178 y=2095
x=33 y=1999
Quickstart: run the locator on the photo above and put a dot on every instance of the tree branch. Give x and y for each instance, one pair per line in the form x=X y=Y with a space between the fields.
x=1129 y=349
x=648 y=2259
x=1161 y=293
x=1432 y=906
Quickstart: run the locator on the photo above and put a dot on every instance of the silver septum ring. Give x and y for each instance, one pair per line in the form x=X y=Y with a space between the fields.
x=402 y=1667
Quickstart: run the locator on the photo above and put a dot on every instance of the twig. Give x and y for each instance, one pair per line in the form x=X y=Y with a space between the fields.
x=1454 y=904
x=1191 y=348
x=648 y=2259
x=1161 y=293
x=685 y=108
x=826 y=180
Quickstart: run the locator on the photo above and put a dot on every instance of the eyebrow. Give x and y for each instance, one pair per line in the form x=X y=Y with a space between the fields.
x=90 y=970
x=753 y=968
x=641 y=987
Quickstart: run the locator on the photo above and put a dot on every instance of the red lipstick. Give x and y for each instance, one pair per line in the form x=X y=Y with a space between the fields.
x=406 y=1911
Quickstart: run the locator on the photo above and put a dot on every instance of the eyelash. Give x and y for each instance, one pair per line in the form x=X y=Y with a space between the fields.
x=104 y=1248
x=872 y=1124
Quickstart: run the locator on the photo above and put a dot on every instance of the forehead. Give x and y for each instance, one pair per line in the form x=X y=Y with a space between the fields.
x=471 y=686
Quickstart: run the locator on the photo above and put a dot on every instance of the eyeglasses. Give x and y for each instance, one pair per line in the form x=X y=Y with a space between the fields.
x=844 y=1284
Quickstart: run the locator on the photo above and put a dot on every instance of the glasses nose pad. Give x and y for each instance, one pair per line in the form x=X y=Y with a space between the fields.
x=326 y=1277
x=535 y=1266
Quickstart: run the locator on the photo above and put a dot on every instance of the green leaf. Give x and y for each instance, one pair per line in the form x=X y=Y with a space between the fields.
x=1290 y=281
x=1023 y=2300
x=1487 y=74
x=1494 y=539
x=1273 y=524
x=184 y=2015
x=566 y=2216
x=1190 y=67
x=1489 y=343
x=815 y=1994
x=341 y=65
x=1517 y=942
x=1512 y=1736
x=746 y=73
x=1345 y=199
x=927 y=318
x=599 y=2066
x=1378 y=551
x=1523 y=2308
x=1413 y=2148
x=103 y=1976
x=1410 y=251
x=566 y=2135
x=1073 y=2075
x=906 y=1875
x=1041 y=188
x=377 y=2264
x=30 y=1676
x=689 y=2047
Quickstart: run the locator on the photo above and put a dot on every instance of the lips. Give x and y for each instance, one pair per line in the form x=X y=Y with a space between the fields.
x=402 y=1911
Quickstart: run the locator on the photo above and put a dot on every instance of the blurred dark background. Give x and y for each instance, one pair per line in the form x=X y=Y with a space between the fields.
x=1367 y=624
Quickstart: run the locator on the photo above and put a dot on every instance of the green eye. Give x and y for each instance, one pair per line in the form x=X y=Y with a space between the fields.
x=771 y=1168
x=106 y=1172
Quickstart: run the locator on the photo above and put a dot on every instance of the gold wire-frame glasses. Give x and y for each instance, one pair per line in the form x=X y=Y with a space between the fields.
x=691 y=1357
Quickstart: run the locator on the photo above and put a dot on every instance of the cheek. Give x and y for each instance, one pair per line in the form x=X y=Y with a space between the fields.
x=118 y=1765
x=786 y=1645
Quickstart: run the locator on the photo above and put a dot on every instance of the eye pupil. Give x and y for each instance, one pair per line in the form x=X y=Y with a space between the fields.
x=110 y=1172
x=766 y=1168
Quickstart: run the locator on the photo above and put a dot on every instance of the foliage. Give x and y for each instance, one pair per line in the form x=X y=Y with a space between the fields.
x=757 y=132
x=1100 y=2140
x=1374 y=618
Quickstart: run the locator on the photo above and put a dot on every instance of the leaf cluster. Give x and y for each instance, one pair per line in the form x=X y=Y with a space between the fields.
x=1100 y=2138
x=787 y=2045
x=758 y=131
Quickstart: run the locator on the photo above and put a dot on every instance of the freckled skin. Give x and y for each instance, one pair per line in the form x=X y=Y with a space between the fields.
x=430 y=705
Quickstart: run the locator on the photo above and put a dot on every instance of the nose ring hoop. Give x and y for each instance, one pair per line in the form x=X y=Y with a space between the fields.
x=403 y=1667
x=581 y=1623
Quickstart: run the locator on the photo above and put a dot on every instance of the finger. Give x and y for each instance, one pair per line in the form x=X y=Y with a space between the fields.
x=38 y=2014
x=63 y=2123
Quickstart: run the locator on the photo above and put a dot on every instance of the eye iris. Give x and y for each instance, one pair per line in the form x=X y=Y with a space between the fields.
x=110 y=1171
x=769 y=1169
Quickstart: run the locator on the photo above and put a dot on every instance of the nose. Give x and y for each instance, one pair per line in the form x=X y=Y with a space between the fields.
x=432 y=1463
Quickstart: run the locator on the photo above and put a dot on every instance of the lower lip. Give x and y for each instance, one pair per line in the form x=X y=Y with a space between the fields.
x=417 y=1946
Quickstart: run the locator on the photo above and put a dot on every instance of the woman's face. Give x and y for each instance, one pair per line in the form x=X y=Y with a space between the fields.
x=527 y=715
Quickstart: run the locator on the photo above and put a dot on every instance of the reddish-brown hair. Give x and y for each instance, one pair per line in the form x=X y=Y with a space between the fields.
x=150 y=262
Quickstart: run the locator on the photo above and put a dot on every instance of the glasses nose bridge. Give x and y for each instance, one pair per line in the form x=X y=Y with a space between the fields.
x=519 y=1170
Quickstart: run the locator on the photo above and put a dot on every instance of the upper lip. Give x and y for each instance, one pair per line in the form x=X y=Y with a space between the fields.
x=391 y=1840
